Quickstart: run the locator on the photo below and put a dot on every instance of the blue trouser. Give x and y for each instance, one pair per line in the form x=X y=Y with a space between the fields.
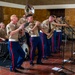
x=28 y=39
x=47 y=46
x=42 y=39
x=46 y=43
x=59 y=39
x=16 y=53
x=35 y=42
x=54 y=44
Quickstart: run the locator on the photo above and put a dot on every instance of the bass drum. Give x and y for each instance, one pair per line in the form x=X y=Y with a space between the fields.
x=25 y=49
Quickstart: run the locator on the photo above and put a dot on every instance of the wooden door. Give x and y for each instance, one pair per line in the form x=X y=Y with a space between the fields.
x=57 y=12
x=1 y=14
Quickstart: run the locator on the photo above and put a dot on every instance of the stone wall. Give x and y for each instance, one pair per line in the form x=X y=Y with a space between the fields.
x=70 y=16
x=40 y=14
x=7 y=12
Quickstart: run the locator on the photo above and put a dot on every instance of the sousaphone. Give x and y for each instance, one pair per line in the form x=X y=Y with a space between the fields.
x=29 y=9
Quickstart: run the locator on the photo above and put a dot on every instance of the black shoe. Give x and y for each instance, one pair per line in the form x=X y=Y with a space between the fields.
x=55 y=52
x=21 y=68
x=15 y=71
x=51 y=55
x=45 y=58
x=39 y=63
x=31 y=63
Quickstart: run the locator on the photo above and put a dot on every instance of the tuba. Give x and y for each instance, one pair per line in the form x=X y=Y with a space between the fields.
x=29 y=9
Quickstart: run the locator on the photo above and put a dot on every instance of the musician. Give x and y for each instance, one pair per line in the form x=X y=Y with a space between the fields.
x=35 y=40
x=46 y=43
x=0 y=25
x=3 y=35
x=21 y=20
x=22 y=34
x=58 y=33
x=16 y=53
x=54 y=24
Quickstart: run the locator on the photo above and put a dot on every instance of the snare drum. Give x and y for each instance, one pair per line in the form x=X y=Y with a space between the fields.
x=25 y=49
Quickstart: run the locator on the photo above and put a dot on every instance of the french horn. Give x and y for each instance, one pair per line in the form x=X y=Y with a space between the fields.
x=29 y=9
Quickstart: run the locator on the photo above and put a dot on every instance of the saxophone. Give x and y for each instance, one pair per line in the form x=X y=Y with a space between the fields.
x=51 y=33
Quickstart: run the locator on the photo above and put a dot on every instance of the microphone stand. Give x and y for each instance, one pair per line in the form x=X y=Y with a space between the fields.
x=72 y=59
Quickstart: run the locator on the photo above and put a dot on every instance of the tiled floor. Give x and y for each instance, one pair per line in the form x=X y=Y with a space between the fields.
x=46 y=68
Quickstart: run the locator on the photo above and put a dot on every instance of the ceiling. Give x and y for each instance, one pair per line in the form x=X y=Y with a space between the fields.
x=41 y=2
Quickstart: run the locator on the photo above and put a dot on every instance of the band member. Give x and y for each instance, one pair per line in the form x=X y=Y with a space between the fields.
x=54 y=24
x=59 y=33
x=32 y=28
x=21 y=20
x=21 y=32
x=0 y=25
x=3 y=35
x=25 y=35
x=46 y=43
x=16 y=53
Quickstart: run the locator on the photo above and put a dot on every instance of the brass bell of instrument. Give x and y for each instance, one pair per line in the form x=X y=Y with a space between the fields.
x=29 y=9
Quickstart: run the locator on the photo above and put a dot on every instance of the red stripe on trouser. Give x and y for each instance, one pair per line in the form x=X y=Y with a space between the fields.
x=42 y=45
x=31 y=49
x=12 y=55
x=59 y=41
x=53 y=44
